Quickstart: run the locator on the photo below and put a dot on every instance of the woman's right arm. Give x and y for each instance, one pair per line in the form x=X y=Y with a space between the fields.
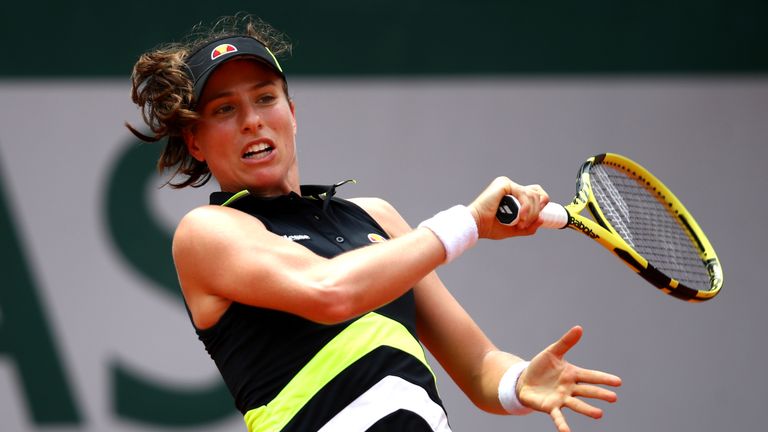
x=225 y=255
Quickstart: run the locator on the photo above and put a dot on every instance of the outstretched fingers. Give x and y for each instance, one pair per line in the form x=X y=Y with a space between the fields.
x=566 y=342
x=551 y=384
x=559 y=419
x=581 y=407
x=597 y=377
x=594 y=392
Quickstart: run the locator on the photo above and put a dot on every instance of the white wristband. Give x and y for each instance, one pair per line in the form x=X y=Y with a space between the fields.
x=508 y=389
x=456 y=228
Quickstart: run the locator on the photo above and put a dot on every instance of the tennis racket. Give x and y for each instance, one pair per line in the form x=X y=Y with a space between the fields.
x=641 y=221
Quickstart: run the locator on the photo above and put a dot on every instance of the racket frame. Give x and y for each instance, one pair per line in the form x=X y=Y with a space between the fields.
x=601 y=231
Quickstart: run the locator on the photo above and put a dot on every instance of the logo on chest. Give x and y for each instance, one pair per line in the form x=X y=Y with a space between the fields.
x=372 y=237
x=376 y=238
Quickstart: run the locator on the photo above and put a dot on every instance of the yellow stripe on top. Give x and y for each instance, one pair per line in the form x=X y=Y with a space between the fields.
x=361 y=337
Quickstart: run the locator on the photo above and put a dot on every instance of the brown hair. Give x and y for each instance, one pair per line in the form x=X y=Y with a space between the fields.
x=163 y=90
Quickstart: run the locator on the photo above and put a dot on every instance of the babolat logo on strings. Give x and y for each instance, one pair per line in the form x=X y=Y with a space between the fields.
x=583 y=228
x=222 y=50
x=297 y=237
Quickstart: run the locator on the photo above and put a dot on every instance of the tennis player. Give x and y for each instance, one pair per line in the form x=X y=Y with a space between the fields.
x=315 y=308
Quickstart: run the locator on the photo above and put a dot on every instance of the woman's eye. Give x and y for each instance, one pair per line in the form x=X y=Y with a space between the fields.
x=223 y=109
x=265 y=99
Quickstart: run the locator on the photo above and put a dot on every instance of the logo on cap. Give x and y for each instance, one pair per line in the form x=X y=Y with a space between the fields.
x=222 y=50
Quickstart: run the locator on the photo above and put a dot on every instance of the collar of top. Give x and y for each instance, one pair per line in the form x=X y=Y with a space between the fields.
x=317 y=192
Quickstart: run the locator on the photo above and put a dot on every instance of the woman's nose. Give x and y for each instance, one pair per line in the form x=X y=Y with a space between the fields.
x=251 y=120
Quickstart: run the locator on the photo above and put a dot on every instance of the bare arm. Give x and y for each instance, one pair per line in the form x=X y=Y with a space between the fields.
x=224 y=255
x=548 y=384
x=447 y=330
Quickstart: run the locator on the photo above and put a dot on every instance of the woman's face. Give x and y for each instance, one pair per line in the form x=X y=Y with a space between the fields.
x=247 y=130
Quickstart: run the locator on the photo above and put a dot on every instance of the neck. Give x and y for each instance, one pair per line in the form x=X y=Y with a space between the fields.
x=290 y=183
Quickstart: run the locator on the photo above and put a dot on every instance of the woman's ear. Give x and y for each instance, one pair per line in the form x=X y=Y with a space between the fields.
x=293 y=114
x=192 y=147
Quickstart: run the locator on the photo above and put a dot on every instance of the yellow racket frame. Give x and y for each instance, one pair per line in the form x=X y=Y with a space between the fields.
x=600 y=229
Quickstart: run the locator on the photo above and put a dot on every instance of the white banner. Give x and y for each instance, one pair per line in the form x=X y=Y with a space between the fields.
x=93 y=336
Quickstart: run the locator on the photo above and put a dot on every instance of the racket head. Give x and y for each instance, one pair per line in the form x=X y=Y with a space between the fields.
x=643 y=223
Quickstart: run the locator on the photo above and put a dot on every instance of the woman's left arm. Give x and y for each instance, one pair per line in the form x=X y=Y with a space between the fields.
x=477 y=366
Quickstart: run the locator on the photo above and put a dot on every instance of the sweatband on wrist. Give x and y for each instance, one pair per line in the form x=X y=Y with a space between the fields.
x=508 y=389
x=456 y=228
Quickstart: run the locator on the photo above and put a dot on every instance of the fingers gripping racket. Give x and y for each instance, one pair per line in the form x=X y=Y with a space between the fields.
x=638 y=219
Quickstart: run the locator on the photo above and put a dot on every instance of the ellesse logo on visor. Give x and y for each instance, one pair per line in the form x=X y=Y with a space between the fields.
x=222 y=50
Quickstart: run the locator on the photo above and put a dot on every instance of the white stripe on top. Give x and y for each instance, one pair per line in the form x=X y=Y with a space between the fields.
x=385 y=397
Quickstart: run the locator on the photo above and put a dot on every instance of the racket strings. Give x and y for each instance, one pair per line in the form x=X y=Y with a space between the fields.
x=646 y=224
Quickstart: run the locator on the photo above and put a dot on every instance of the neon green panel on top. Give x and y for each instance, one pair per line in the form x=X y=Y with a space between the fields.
x=358 y=339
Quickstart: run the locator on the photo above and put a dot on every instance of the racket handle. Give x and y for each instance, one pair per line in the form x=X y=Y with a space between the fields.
x=553 y=215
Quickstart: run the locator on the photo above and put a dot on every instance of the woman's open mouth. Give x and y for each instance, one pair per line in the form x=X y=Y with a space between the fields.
x=258 y=151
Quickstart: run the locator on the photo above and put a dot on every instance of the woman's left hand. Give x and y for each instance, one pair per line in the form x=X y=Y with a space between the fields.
x=550 y=383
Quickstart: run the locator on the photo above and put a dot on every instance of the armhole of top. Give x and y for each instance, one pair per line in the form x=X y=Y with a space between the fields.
x=364 y=213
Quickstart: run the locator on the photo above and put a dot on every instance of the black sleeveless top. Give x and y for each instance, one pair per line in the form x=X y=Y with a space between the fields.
x=290 y=374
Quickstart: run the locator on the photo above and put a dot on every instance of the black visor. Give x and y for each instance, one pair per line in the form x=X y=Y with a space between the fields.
x=205 y=60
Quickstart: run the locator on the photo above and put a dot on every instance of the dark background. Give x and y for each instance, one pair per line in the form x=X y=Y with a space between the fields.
x=83 y=38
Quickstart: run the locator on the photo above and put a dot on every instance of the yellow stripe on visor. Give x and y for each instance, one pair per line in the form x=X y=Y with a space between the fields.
x=358 y=339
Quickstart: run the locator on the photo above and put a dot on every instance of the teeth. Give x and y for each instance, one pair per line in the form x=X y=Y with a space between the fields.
x=255 y=149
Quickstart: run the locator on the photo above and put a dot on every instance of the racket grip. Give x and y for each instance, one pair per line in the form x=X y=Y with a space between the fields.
x=553 y=215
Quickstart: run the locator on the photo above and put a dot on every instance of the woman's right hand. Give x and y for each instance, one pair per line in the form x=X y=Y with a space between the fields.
x=532 y=199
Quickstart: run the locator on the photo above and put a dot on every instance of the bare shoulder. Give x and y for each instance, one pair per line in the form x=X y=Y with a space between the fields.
x=376 y=206
x=385 y=214
x=195 y=219
x=199 y=220
x=209 y=248
x=206 y=225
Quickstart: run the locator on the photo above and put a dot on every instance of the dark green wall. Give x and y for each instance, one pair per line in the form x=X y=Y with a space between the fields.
x=60 y=38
